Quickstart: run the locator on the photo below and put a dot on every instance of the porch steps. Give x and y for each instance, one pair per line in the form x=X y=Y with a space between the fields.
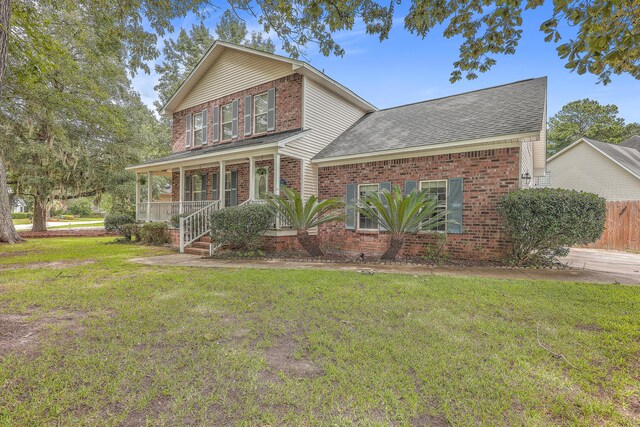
x=199 y=247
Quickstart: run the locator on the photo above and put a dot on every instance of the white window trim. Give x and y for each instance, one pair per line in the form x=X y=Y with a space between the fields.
x=446 y=197
x=255 y=116
x=222 y=122
x=377 y=229
x=193 y=128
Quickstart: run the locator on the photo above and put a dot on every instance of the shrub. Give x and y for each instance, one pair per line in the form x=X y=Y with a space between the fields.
x=81 y=208
x=67 y=217
x=155 y=233
x=175 y=220
x=241 y=227
x=20 y=215
x=123 y=224
x=543 y=223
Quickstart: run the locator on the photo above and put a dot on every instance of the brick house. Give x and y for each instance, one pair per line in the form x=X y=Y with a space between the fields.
x=247 y=122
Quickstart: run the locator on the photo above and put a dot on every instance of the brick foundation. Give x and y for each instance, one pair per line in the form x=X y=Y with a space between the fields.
x=487 y=174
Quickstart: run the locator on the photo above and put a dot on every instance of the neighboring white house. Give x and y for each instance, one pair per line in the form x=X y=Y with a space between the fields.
x=18 y=205
x=609 y=170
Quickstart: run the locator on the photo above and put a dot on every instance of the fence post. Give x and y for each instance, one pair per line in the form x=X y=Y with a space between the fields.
x=181 y=235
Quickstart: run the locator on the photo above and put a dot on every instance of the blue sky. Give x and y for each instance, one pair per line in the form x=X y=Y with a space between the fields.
x=405 y=68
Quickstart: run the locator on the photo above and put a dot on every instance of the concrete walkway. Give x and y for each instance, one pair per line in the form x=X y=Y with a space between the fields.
x=22 y=227
x=615 y=263
x=570 y=275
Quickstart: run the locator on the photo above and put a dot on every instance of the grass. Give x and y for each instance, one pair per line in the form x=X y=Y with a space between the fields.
x=21 y=221
x=113 y=342
x=58 y=227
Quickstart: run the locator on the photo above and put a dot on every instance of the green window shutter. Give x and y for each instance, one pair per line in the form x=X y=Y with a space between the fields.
x=409 y=186
x=271 y=109
x=350 y=207
x=188 y=130
x=187 y=188
x=215 y=185
x=205 y=125
x=384 y=186
x=216 y=124
x=234 y=188
x=247 y=115
x=454 y=205
x=203 y=177
x=234 y=119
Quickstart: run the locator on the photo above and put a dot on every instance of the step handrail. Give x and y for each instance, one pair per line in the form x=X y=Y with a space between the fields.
x=196 y=225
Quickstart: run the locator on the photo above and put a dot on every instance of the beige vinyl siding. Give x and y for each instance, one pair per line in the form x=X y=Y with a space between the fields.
x=584 y=168
x=232 y=72
x=326 y=116
x=540 y=147
x=526 y=162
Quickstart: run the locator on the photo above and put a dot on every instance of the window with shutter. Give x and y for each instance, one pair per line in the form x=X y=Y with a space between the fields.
x=271 y=113
x=197 y=129
x=437 y=189
x=260 y=112
x=247 y=115
x=196 y=188
x=231 y=188
x=364 y=222
x=227 y=122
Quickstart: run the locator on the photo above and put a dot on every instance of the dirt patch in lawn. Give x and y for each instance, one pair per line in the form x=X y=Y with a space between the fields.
x=280 y=358
x=55 y=265
x=21 y=334
x=589 y=328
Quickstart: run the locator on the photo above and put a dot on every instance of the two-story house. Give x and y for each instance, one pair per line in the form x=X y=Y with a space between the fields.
x=247 y=122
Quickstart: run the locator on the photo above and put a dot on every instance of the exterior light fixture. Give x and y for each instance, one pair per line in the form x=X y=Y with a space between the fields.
x=283 y=181
x=526 y=177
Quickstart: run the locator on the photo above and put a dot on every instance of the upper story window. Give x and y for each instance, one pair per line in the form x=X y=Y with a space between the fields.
x=227 y=121
x=198 y=131
x=260 y=113
x=437 y=189
x=364 y=222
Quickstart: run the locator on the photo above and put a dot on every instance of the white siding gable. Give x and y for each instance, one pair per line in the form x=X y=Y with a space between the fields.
x=232 y=72
x=584 y=168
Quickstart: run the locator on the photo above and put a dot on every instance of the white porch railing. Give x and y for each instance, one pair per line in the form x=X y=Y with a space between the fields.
x=196 y=225
x=281 y=221
x=163 y=211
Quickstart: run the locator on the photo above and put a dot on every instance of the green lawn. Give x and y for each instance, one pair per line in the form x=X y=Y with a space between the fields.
x=21 y=221
x=88 y=338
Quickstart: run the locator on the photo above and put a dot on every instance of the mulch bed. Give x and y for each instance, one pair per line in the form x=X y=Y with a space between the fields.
x=65 y=233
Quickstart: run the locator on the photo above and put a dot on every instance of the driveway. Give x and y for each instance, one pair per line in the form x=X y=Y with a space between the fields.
x=622 y=266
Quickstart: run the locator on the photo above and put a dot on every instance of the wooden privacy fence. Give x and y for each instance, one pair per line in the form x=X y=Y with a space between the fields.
x=622 y=227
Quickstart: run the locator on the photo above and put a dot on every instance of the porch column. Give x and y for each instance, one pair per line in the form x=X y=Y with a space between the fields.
x=149 y=196
x=181 y=191
x=252 y=177
x=137 y=194
x=276 y=173
x=222 y=184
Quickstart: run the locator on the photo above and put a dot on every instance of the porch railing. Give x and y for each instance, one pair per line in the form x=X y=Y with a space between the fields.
x=163 y=211
x=196 y=224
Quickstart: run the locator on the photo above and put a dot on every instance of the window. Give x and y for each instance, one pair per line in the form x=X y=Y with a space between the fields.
x=227 y=122
x=197 y=193
x=261 y=187
x=229 y=190
x=197 y=129
x=364 y=222
x=437 y=189
x=260 y=111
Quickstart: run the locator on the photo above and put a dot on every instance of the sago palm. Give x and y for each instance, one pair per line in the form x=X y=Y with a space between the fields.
x=401 y=214
x=303 y=215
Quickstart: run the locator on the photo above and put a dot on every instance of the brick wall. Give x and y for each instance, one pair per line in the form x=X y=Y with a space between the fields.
x=288 y=110
x=487 y=174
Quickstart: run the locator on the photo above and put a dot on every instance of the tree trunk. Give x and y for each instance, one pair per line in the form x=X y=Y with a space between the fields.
x=310 y=244
x=39 y=214
x=395 y=244
x=8 y=232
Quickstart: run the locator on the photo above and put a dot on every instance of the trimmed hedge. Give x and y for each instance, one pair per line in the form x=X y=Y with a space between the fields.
x=543 y=223
x=155 y=233
x=21 y=215
x=123 y=224
x=81 y=208
x=241 y=227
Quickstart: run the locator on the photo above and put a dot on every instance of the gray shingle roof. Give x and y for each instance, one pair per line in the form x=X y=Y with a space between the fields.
x=226 y=146
x=633 y=142
x=498 y=111
x=627 y=157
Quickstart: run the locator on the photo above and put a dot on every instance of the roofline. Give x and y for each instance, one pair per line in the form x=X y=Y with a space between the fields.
x=296 y=64
x=567 y=148
x=425 y=148
x=464 y=93
x=251 y=147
